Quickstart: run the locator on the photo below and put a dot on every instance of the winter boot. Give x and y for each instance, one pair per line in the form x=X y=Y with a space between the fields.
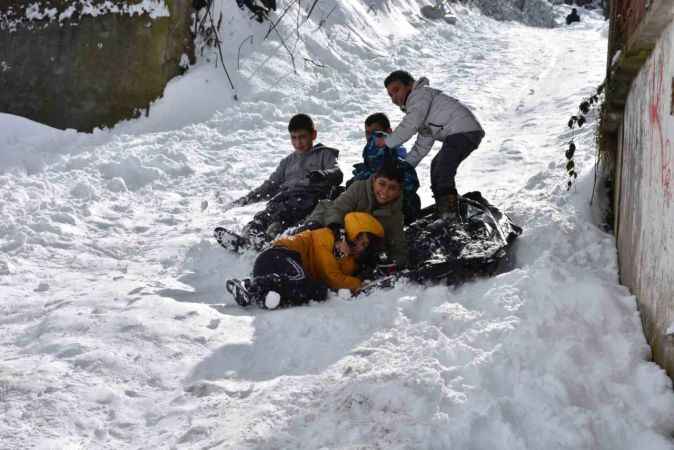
x=240 y=290
x=447 y=206
x=273 y=230
x=230 y=240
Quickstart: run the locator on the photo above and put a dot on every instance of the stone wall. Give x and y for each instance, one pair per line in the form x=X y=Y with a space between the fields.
x=88 y=69
x=645 y=197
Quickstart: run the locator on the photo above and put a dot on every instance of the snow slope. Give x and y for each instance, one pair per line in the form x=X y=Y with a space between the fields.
x=115 y=332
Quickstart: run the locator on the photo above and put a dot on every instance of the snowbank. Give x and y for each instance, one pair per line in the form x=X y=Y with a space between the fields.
x=116 y=331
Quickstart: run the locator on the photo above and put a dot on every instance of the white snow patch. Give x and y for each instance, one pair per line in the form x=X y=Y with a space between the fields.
x=134 y=340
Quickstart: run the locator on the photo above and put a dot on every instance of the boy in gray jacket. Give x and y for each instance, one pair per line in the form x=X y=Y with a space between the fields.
x=302 y=178
x=433 y=116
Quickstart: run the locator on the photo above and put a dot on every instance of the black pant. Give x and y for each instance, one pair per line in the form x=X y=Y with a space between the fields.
x=455 y=148
x=292 y=283
x=286 y=210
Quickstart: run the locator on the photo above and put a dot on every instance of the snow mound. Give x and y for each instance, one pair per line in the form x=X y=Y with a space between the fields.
x=538 y=13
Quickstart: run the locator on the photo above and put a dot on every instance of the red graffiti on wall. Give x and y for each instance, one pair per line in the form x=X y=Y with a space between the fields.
x=656 y=84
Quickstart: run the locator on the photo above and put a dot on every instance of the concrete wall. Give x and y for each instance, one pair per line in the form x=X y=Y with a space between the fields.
x=645 y=208
x=89 y=71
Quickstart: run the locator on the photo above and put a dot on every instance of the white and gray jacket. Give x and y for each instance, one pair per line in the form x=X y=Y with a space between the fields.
x=434 y=116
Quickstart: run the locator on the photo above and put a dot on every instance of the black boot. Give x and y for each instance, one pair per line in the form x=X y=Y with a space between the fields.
x=240 y=290
x=447 y=206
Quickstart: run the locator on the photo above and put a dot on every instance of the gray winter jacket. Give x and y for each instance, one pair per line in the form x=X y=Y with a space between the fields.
x=360 y=197
x=434 y=116
x=292 y=171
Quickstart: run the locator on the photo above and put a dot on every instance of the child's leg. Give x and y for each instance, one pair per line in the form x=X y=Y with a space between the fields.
x=455 y=149
x=411 y=206
x=257 y=228
x=281 y=270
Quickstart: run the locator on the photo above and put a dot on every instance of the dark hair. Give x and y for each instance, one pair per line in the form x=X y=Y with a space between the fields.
x=378 y=118
x=391 y=170
x=399 y=75
x=301 y=122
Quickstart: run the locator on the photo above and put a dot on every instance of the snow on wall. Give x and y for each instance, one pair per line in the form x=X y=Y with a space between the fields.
x=646 y=205
x=43 y=11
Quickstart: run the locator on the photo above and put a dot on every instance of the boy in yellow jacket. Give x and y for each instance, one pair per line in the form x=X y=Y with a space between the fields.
x=300 y=268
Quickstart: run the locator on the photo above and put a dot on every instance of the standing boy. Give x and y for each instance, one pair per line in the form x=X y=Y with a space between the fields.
x=433 y=116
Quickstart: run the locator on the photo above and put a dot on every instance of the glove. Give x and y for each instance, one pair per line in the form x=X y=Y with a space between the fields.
x=340 y=235
x=317 y=176
x=337 y=231
x=386 y=269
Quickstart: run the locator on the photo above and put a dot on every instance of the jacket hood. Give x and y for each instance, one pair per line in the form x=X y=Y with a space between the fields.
x=320 y=147
x=421 y=82
x=360 y=222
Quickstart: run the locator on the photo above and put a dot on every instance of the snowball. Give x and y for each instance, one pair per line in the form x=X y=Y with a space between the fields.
x=272 y=300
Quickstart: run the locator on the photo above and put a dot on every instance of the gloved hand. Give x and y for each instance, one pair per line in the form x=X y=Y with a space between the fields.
x=317 y=176
x=386 y=269
x=337 y=231
x=340 y=249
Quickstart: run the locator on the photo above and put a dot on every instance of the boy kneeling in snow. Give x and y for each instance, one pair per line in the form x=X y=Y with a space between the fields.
x=378 y=195
x=301 y=268
x=302 y=178
x=376 y=126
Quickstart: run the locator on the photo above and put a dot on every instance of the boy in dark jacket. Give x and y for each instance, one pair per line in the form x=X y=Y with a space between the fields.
x=378 y=125
x=301 y=179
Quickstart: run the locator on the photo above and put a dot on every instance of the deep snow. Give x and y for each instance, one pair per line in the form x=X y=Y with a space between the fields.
x=115 y=330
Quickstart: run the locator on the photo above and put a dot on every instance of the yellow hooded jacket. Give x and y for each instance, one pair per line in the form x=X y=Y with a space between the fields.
x=316 y=250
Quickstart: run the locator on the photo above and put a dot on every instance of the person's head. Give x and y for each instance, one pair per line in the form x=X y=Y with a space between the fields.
x=387 y=182
x=574 y=11
x=302 y=132
x=376 y=122
x=361 y=229
x=398 y=85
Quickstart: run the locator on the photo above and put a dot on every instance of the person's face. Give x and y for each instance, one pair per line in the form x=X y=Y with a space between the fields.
x=359 y=245
x=369 y=129
x=385 y=190
x=398 y=92
x=302 y=140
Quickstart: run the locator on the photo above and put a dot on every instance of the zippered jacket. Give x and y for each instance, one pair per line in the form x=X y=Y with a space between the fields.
x=433 y=115
x=291 y=174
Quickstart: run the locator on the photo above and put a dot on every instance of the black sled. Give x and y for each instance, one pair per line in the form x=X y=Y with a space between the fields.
x=445 y=251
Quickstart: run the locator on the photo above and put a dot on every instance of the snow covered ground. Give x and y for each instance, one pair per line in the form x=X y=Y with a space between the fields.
x=114 y=329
